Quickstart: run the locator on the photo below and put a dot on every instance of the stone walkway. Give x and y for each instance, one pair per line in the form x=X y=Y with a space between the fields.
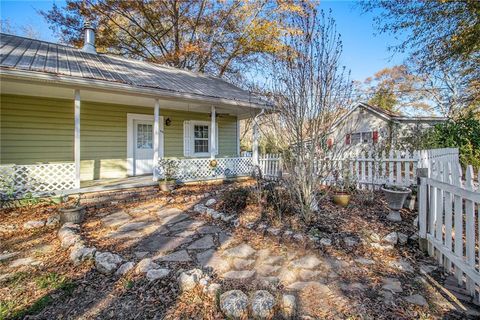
x=171 y=236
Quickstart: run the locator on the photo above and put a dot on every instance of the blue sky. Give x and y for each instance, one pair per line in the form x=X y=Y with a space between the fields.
x=364 y=52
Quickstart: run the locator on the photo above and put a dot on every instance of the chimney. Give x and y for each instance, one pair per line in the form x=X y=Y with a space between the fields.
x=89 y=38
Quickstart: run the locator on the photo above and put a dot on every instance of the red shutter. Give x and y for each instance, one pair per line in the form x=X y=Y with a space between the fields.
x=375 y=136
x=329 y=143
x=347 y=139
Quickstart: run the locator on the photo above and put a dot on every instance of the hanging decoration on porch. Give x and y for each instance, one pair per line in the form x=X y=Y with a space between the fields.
x=213 y=163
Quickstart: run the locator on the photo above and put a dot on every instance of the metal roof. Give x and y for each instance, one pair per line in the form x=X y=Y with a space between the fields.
x=19 y=53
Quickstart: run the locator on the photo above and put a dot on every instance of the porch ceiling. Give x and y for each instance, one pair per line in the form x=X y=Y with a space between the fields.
x=55 y=90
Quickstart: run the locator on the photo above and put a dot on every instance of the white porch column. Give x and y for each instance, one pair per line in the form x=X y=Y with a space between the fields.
x=76 y=144
x=255 y=143
x=156 y=139
x=213 y=132
x=238 y=137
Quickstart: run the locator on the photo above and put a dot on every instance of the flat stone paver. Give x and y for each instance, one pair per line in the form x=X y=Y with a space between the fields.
x=6 y=256
x=116 y=219
x=287 y=276
x=307 y=262
x=241 y=251
x=203 y=243
x=244 y=275
x=319 y=287
x=159 y=243
x=273 y=260
x=178 y=256
x=175 y=218
x=212 y=259
x=241 y=264
x=185 y=224
x=307 y=275
x=209 y=229
x=168 y=212
x=28 y=261
x=267 y=270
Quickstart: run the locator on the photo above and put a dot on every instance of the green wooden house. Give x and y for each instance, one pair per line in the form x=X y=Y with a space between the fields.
x=72 y=117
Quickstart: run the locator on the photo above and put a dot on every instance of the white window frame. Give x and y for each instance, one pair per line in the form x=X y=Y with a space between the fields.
x=192 y=124
x=360 y=141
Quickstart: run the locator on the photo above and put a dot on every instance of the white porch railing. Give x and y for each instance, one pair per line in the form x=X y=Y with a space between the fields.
x=201 y=169
x=37 y=179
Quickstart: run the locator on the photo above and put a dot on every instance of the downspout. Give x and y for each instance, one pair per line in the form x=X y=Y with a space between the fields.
x=255 y=138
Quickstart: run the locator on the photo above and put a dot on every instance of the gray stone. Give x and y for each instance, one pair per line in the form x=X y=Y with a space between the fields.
x=209 y=230
x=200 y=208
x=158 y=243
x=177 y=218
x=250 y=225
x=307 y=262
x=34 y=224
x=107 y=262
x=287 y=276
x=69 y=239
x=394 y=216
x=298 y=237
x=80 y=253
x=234 y=304
x=53 y=220
x=210 y=202
x=144 y=265
x=350 y=241
x=241 y=264
x=186 y=225
x=288 y=306
x=189 y=279
x=326 y=242
x=269 y=283
x=241 y=276
x=392 y=284
x=203 y=243
x=354 y=286
x=273 y=260
x=402 y=238
x=262 y=305
x=140 y=254
x=262 y=227
x=213 y=289
x=28 y=261
x=287 y=234
x=387 y=296
x=178 y=256
x=228 y=218
x=382 y=247
x=364 y=261
x=266 y=269
x=307 y=275
x=414 y=237
x=8 y=255
x=415 y=222
x=299 y=286
x=402 y=265
x=241 y=251
x=428 y=268
x=416 y=299
x=273 y=231
x=155 y=274
x=186 y=234
x=391 y=238
x=211 y=259
x=116 y=219
x=125 y=268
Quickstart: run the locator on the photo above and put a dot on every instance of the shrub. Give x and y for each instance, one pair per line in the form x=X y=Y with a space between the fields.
x=235 y=200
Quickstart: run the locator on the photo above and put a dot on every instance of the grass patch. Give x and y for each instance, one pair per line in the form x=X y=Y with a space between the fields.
x=17 y=278
x=50 y=280
x=6 y=308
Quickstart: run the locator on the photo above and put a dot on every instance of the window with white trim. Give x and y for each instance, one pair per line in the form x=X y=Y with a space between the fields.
x=200 y=138
x=360 y=137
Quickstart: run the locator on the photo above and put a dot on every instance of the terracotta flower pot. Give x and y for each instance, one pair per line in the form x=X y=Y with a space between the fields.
x=396 y=198
x=73 y=214
x=341 y=199
x=167 y=185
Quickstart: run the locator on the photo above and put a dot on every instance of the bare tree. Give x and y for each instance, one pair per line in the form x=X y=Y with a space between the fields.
x=310 y=89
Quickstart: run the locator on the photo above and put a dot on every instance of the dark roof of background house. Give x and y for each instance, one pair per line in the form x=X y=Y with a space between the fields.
x=21 y=53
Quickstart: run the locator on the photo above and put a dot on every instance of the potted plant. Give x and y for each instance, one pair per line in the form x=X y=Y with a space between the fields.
x=168 y=168
x=72 y=213
x=395 y=197
x=344 y=186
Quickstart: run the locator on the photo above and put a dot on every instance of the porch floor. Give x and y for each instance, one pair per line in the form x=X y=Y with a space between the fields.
x=116 y=184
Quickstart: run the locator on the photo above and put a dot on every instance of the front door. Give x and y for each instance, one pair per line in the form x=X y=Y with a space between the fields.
x=143 y=146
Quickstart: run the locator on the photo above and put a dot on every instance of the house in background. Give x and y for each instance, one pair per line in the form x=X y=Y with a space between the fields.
x=73 y=115
x=365 y=125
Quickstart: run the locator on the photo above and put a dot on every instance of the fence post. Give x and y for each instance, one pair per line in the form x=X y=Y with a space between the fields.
x=422 y=175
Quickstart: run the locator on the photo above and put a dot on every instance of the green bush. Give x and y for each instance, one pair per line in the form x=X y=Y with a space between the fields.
x=462 y=133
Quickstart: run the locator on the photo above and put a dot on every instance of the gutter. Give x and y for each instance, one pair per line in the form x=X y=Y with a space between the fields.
x=95 y=85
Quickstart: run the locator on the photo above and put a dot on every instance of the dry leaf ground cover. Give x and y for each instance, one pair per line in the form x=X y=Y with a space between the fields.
x=48 y=286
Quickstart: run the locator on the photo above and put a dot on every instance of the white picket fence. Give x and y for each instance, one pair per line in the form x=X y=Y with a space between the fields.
x=449 y=206
x=270 y=165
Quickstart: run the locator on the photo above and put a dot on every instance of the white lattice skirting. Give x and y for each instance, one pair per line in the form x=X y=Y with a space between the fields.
x=38 y=179
x=200 y=169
